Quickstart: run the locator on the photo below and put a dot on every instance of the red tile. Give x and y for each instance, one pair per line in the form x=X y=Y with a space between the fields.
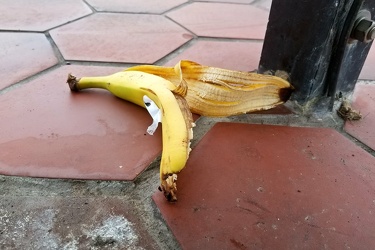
x=135 y=6
x=222 y=20
x=234 y=55
x=368 y=69
x=272 y=187
x=41 y=222
x=119 y=38
x=364 y=102
x=88 y=135
x=23 y=55
x=37 y=15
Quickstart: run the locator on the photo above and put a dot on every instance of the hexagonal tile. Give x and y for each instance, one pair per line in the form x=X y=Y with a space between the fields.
x=274 y=187
x=368 y=68
x=108 y=37
x=135 y=6
x=364 y=102
x=22 y=55
x=235 y=55
x=222 y=20
x=39 y=15
x=88 y=135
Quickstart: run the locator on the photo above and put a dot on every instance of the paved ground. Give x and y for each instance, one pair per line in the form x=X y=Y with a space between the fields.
x=80 y=172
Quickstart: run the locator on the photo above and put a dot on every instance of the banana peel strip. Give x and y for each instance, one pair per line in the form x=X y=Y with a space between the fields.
x=212 y=91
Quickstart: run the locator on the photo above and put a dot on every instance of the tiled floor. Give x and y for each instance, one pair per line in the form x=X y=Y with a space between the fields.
x=218 y=53
x=40 y=15
x=47 y=131
x=113 y=37
x=19 y=52
x=245 y=186
x=275 y=188
x=216 y=20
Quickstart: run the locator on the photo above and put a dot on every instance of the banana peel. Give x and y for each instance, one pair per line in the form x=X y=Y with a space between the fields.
x=147 y=90
x=177 y=92
x=216 y=92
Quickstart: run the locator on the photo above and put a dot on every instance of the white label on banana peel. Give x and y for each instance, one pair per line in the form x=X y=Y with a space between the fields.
x=155 y=113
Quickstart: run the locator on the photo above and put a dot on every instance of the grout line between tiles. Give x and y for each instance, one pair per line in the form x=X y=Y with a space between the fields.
x=69 y=22
x=180 y=25
x=125 y=12
x=55 y=48
x=49 y=29
x=175 y=52
x=90 y=6
x=229 y=39
x=358 y=142
x=101 y=63
x=28 y=79
x=177 y=7
x=21 y=31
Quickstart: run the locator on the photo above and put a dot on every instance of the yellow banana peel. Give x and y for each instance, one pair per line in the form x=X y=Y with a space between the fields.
x=177 y=92
x=220 y=92
x=177 y=121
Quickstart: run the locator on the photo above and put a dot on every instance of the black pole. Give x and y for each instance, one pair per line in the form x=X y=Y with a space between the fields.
x=351 y=54
x=311 y=41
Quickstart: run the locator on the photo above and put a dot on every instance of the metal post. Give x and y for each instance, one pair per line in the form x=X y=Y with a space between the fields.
x=316 y=44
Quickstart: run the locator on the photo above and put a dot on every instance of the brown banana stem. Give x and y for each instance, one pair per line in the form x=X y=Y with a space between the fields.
x=72 y=81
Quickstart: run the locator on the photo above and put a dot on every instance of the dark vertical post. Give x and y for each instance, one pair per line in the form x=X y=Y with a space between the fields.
x=310 y=41
x=351 y=54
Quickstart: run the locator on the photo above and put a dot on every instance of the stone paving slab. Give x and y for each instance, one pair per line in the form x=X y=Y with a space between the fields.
x=273 y=187
x=70 y=223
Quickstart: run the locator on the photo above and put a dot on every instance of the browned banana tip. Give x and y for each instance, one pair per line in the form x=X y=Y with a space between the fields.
x=72 y=82
x=169 y=187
